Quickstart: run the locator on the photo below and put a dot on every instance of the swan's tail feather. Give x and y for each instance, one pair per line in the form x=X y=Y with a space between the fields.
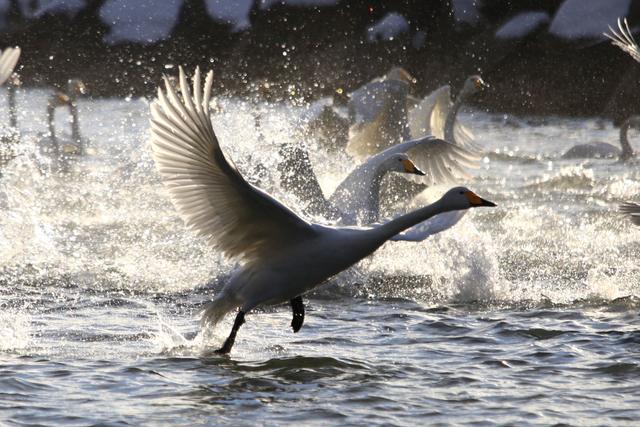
x=214 y=311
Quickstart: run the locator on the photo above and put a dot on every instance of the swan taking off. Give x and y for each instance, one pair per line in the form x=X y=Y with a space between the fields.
x=282 y=255
x=600 y=150
x=437 y=114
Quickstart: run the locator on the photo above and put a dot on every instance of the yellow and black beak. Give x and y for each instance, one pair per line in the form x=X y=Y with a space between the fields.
x=477 y=201
x=481 y=85
x=409 y=167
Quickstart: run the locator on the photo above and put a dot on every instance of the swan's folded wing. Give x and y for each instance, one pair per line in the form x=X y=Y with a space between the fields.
x=633 y=211
x=441 y=161
x=208 y=191
x=8 y=60
x=430 y=115
x=624 y=39
x=433 y=225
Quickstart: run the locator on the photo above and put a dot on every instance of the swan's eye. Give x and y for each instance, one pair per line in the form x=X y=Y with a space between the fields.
x=462 y=192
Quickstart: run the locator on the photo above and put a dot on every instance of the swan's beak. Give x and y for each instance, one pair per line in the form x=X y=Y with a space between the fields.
x=409 y=167
x=481 y=84
x=477 y=201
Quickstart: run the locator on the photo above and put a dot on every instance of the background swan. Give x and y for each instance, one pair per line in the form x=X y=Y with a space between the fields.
x=356 y=200
x=437 y=114
x=283 y=256
x=378 y=113
x=10 y=135
x=64 y=145
x=605 y=150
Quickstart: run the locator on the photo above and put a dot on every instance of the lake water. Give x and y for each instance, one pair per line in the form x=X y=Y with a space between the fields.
x=525 y=314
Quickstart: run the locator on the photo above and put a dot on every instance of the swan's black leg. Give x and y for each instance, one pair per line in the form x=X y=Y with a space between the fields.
x=226 y=348
x=298 y=313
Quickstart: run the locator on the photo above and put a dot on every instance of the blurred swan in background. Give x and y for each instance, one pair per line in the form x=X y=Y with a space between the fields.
x=378 y=114
x=595 y=150
x=437 y=114
x=10 y=136
x=283 y=255
x=64 y=145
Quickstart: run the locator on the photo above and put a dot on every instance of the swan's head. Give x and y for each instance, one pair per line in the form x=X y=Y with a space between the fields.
x=14 y=80
x=399 y=73
x=340 y=97
x=459 y=198
x=76 y=87
x=474 y=84
x=401 y=163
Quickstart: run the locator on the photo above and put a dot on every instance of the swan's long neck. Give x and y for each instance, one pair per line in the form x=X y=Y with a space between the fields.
x=451 y=117
x=373 y=200
x=13 y=112
x=75 y=125
x=401 y=223
x=51 y=111
x=627 y=151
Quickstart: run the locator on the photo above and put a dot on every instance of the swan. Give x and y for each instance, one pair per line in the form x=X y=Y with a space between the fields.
x=437 y=114
x=283 y=256
x=74 y=145
x=378 y=113
x=11 y=135
x=603 y=149
x=632 y=210
x=356 y=200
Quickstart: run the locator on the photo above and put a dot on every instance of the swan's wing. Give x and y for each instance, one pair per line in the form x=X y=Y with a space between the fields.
x=378 y=112
x=464 y=137
x=297 y=177
x=8 y=60
x=434 y=225
x=207 y=190
x=429 y=117
x=633 y=211
x=441 y=161
x=624 y=40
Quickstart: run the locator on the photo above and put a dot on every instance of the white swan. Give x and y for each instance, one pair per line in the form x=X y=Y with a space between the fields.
x=283 y=255
x=437 y=114
x=378 y=113
x=356 y=200
x=65 y=145
x=599 y=150
x=10 y=135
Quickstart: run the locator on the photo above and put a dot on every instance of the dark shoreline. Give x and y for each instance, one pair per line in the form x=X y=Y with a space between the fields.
x=538 y=75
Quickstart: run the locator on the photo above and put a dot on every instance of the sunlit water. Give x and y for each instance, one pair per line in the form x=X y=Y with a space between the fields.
x=522 y=314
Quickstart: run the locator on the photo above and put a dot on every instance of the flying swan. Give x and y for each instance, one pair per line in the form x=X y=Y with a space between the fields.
x=283 y=256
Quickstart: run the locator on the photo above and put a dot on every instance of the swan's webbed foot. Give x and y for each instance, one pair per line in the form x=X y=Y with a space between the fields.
x=298 y=313
x=228 y=343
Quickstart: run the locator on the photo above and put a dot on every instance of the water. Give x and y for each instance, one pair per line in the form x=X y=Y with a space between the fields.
x=523 y=314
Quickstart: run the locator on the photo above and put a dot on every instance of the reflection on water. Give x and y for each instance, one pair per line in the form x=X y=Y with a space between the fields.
x=525 y=312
